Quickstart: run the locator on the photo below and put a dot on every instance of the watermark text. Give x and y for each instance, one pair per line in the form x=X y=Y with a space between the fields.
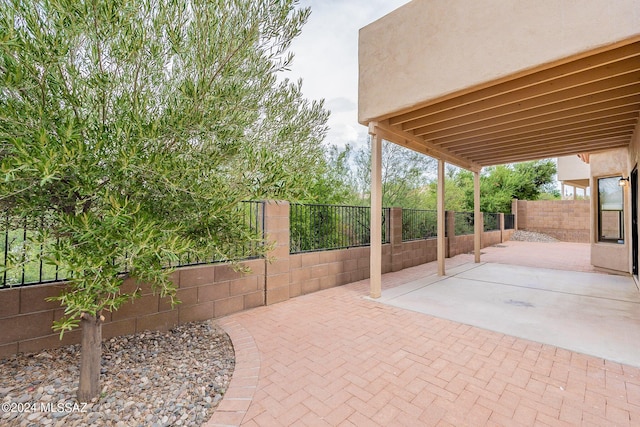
x=30 y=407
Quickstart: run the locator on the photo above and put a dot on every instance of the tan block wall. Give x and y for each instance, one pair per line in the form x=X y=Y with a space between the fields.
x=206 y=292
x=490 y=238
x=566 y=220
x=460 y=245
x=215 y=290
x=276 y=229
x=314 y=271
x=418 y=252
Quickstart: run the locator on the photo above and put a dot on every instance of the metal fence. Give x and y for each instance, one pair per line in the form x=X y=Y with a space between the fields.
x=509 y=221
x=313 y=227
x=463 y=223
x=15 y=234
x=316 y=227
x=251 y=217
x=491 y=221
x=419 y=224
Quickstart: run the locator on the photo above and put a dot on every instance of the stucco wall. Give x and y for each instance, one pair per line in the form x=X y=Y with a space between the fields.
x=427 y=49
x=566 y=220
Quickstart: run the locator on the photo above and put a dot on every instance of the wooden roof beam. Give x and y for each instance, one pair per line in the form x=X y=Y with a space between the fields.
x=532 y=93
x=539 y=132
x=540 y=122
x=524 y=157
x=472 y=152
x=408 y=140
x=531 y=79
x=486 y=118
x=583 y=145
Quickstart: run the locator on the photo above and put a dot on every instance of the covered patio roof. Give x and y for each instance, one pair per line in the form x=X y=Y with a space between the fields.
x=491 y=82
x=589 y=103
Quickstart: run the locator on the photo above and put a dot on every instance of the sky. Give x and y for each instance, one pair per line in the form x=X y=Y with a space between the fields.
x=326 y=58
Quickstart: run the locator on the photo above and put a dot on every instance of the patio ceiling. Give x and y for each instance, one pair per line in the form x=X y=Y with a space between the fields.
x=588 y=104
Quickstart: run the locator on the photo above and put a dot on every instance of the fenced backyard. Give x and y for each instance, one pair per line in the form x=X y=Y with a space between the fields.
x=316 y=227
x=17 y=235
x=312 y=228
x=314 y=247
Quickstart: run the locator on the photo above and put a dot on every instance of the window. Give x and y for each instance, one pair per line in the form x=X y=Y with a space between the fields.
x=610 y=210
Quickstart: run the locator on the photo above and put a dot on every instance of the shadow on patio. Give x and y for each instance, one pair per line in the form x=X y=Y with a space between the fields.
x=588 y=312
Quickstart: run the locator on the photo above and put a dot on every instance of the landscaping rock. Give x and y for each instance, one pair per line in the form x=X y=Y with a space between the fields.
x=146 y=379
x=532 y=236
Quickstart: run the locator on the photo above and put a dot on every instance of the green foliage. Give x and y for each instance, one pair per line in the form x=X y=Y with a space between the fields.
x=499 y=185
x=455 y=198
x=404 y=175
x=331 y=184
x=133 y=128
x=317 y=227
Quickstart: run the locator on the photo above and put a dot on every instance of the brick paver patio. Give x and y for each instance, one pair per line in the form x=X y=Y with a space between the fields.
x=334 y=358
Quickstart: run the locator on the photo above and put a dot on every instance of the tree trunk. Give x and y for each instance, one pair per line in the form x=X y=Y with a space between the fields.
x=90 y=358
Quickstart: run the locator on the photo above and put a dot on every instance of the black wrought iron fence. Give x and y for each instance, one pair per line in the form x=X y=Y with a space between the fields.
x=15 y=234
x=509 y=221
x=419 y=224
x=463 y=223
x=315 y=227
x=491 y=221
x=251 y=218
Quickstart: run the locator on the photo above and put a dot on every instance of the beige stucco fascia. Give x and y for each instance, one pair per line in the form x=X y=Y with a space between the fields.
x=573 y=171
x=429 y=50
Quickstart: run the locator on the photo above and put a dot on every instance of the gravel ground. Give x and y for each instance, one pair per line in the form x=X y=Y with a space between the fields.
x=149 y=379
x=531 y=236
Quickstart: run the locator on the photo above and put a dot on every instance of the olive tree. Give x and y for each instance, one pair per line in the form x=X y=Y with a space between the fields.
x=131 y=129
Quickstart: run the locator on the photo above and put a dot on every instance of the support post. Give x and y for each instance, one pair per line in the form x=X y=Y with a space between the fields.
x=375 y=264
x=395 y=238
x=277 y=272
x=478 y=225
x=441 y=222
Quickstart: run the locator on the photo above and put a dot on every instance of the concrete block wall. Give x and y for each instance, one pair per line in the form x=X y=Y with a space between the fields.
x=215 y=290
x=418 y=252
x=206 y=292
x=314 y=271
x=566 y=220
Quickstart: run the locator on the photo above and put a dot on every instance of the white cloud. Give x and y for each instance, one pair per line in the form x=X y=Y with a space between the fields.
x=326 y=58
x=341 y=104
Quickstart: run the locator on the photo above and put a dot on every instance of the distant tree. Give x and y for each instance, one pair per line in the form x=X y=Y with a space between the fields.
x=334 y=182
x=499 y=185
x=455 y=198
x=533 y=178
x=404 y=175
x=132 y=129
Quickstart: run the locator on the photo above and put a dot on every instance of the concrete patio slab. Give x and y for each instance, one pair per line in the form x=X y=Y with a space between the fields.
x=591 y=313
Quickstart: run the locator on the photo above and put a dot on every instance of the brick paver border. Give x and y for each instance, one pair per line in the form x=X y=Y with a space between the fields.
x=238 y=397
